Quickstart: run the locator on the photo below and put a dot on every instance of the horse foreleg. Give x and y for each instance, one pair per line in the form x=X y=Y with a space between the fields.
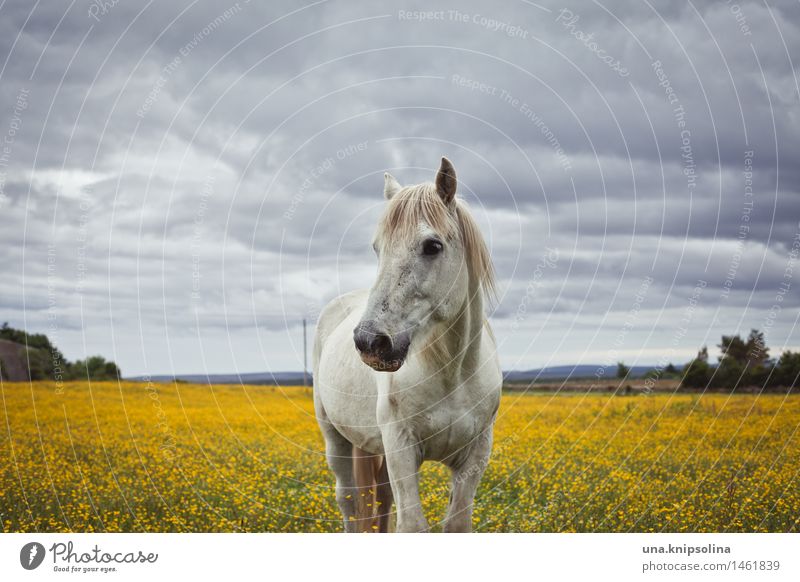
x=467 y=475
x=384 y=498
x=338 y=452
x=403 y=459
x=365 y=474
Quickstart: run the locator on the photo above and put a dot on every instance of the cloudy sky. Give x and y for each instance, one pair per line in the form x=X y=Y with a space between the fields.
x=182 y=183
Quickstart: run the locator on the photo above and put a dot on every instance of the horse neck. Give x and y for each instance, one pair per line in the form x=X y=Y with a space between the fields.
x=461 y=336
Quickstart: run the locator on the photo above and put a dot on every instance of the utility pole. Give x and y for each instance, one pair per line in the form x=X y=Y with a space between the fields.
x=305 y=356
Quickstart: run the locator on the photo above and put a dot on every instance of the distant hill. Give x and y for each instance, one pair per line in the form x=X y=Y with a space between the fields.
x=571 y=372
x=263 y=378
x=296 y=378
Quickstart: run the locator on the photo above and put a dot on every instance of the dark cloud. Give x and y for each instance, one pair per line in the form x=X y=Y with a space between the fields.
x=205 y=175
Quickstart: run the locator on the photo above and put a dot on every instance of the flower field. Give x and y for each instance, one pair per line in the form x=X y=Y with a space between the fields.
x=180 y=457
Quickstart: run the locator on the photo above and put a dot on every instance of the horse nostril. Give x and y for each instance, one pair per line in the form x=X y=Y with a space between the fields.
x=370 y=341
x=380 y=344
x=362 y=340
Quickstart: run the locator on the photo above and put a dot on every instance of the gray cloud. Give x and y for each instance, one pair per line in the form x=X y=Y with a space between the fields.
x=206 y=175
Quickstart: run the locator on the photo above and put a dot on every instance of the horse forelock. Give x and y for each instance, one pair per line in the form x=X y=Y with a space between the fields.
x=414 y=205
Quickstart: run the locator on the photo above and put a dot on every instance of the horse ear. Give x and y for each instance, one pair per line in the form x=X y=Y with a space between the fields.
x=390 y=186
x=446 y=181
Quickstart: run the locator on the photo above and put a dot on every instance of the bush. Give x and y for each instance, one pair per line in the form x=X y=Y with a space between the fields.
x=696 y=374
x=96 y=368
x=729 y=374
x=786 y=370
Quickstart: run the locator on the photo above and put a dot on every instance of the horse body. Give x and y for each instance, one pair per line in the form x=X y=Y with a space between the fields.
x=446 y=407
x=423 y=380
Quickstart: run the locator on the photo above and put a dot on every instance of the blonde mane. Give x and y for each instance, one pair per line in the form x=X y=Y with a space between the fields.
x=422 y=203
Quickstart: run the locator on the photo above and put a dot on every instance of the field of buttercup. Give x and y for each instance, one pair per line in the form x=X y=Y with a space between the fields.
x=165 y=457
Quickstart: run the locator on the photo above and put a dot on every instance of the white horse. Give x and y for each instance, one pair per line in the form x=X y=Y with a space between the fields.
x=408 y=371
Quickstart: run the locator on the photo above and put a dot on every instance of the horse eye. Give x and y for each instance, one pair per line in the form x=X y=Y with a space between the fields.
x=432 y=247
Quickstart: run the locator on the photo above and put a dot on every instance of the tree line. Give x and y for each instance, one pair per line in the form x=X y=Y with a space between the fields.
x=744 y=363
x=44 y=361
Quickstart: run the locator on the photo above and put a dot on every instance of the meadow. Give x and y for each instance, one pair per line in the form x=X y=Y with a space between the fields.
x=177 y=457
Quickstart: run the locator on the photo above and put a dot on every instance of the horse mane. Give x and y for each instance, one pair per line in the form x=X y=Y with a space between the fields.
x=422 y=203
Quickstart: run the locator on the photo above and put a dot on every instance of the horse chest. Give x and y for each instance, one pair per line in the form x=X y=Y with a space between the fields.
x=441 y=423
x=446 y=432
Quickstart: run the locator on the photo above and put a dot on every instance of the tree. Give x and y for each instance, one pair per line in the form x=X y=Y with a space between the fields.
x=734 y=348
x=697 y=372
x=787 y=370
x=36 y=362
x=757 y=350
x=730 y=374
x=112 y=372
x=96 y=368
x=743 y=362
x=622 y=370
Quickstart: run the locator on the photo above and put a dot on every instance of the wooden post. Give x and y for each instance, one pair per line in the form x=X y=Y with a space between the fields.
x=305 y=356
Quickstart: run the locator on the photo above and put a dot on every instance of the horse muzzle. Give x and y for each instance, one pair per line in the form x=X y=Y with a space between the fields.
x=379 y=350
